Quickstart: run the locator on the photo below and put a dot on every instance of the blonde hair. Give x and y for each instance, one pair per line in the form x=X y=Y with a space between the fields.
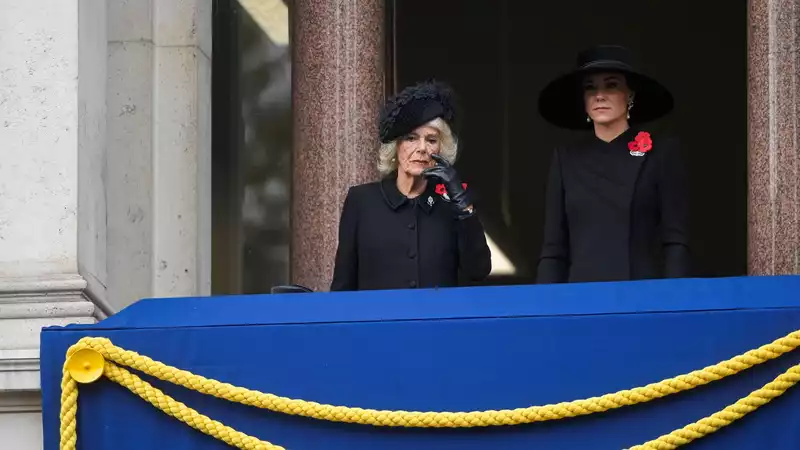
x=387 y=154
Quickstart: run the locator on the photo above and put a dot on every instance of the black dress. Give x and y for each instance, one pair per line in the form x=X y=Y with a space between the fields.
x=388 y=241
x=612 y=216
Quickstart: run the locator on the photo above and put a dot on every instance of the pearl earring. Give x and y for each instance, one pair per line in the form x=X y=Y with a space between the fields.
x=588 y=119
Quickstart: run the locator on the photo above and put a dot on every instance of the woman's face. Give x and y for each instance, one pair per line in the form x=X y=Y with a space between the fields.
x=414 y=150
x=605 y=96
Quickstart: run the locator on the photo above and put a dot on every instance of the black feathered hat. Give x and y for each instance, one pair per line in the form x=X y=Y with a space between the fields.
x=561 y=102
x=415 y=106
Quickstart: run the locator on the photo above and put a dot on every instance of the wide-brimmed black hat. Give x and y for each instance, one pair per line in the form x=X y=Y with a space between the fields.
x=561 y=102
x=415 y=106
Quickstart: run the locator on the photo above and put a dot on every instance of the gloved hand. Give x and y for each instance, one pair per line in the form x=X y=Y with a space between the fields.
x=445 y=172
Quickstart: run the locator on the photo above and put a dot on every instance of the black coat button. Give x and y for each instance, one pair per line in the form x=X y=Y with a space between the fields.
x=413 y=283
x=412 y=254
x=411 y=226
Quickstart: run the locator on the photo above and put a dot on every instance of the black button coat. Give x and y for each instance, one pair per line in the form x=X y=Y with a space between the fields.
x=388 y=241
x=612 y=216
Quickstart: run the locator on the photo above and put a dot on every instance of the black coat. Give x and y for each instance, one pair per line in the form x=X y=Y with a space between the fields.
x=388 y=241
x=612 y=216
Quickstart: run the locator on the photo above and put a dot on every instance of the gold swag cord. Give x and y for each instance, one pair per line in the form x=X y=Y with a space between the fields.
x=90 y=358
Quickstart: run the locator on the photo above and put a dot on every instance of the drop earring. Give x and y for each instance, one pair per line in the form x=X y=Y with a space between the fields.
x=588 y=119
x=630 y=107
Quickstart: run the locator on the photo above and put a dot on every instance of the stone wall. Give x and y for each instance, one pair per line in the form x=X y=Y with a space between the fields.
x=105 y=124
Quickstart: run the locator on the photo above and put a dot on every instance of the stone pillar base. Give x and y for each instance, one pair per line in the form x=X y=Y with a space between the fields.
x=26 y=306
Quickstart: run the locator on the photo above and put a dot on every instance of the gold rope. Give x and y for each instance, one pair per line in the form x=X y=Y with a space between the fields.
x=114 y=357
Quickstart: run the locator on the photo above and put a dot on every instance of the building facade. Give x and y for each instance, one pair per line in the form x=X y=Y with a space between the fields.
x=111 y=190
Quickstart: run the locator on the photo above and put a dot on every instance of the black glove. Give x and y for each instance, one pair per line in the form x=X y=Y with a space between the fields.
x=445 y=172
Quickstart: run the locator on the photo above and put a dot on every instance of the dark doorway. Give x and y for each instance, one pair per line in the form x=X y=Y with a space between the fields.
x=498 y=55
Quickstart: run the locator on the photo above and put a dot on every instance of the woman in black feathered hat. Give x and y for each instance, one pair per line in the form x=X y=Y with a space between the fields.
x=617 y=199
x=417 y=227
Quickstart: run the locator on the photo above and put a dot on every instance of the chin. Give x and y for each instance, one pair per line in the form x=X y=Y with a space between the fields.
x=414 y=171
x=605 y=120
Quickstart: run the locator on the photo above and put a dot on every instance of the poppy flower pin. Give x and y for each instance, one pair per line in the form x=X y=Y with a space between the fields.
x=441 y=190
x=641 y=144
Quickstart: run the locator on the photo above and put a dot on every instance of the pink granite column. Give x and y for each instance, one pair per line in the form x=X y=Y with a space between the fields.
x=337 y=89
x=774 y=138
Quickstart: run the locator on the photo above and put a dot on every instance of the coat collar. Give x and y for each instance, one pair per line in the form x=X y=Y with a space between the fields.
x=395 y=199
x=612 y=163
x=623 y=138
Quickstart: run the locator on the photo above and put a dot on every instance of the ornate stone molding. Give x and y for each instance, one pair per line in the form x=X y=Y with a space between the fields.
x=19 y=371
x=26 y=306
x=49 y=289
x=20 y=402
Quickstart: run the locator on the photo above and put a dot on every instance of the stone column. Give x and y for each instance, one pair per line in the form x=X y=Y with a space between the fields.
x=158 y=156
x=337 y=83
x=46 y=118
x=774 y=138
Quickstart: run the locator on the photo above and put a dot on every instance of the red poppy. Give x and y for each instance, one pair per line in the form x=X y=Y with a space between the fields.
x=645 y=143
x=440 y=189
x=641 y=143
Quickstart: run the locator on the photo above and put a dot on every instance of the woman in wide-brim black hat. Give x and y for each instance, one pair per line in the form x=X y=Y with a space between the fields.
x=417 y=227
x=617 y=199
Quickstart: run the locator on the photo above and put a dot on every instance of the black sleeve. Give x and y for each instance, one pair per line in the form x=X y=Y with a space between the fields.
x=474 y=256
x=554 y=260
x=674 y=203
x=345 y=271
